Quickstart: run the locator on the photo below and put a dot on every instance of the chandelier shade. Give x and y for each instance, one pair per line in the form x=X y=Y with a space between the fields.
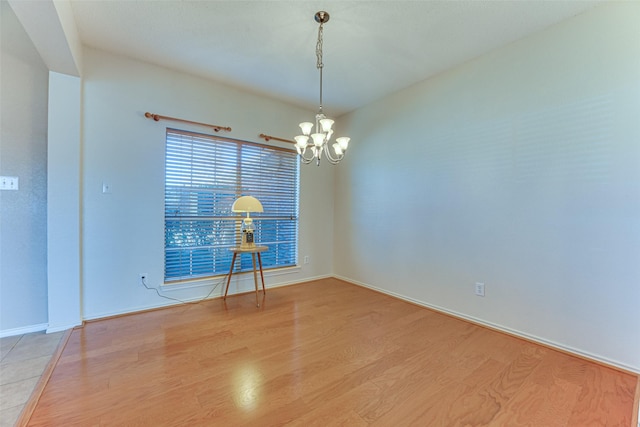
x=311 y=145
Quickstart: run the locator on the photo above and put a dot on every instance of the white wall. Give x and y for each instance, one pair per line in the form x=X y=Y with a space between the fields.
x=520 y=169
x=123 y=232
x=64 y=209
x=23 y=153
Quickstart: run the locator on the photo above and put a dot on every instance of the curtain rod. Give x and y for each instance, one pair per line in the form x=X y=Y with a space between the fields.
x=268 y=137
x=158 y=117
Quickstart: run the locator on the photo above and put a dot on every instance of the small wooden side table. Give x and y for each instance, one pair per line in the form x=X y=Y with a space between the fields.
x=256 y=250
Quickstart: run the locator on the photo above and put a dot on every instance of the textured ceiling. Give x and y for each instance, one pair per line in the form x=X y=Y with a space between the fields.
x=371 y=48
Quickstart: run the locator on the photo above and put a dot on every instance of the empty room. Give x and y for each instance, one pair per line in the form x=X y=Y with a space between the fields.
x=357 y=213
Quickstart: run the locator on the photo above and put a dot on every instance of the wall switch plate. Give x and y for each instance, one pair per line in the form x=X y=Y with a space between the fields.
x=8 y=182
x=106 y=188
x=306 y=259
x=479 y=289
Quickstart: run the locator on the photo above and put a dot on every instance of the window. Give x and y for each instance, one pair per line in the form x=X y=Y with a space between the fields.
x=204 y=175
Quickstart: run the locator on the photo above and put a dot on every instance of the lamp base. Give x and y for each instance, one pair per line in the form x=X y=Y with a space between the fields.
x=247 y=240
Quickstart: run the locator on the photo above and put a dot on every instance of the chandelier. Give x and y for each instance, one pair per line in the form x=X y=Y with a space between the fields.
x=310 y=150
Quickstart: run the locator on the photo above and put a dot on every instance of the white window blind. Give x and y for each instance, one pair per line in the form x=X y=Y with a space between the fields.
x=204 y=174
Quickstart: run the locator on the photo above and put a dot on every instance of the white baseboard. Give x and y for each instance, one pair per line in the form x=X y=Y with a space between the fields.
x=23 y=330
x=568 y=349
x=247 y=280
x=297 y=282
x=59 y=328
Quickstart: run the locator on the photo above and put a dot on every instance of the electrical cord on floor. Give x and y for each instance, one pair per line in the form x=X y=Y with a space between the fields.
x=144 y=283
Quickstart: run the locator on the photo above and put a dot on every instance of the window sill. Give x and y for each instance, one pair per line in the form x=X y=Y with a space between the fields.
x=216 y=280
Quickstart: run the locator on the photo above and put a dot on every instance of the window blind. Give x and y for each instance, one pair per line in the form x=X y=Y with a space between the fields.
x=204 y=175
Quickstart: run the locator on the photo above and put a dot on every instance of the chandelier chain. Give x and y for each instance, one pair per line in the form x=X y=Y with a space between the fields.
x=319 y=63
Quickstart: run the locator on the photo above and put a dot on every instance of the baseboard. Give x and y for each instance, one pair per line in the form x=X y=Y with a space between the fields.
x=24 y=330
x=140 y=309
x=58 y=328
x=533 y=338
x=298 y=282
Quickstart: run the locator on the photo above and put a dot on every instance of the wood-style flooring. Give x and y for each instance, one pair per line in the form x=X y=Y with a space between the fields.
x=321 y=353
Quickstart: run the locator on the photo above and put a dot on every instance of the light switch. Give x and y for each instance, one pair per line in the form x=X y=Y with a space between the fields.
x=8 y=182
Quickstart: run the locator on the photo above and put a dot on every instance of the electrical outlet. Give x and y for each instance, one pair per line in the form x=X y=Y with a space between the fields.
x=479 y=289
x=143 y=278
x=306 y=259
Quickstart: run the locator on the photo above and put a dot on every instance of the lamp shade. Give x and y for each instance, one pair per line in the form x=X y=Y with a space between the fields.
x=247 y=204
x=306 y=127
x=302 y=141
x=326 y=124
x=344 y=142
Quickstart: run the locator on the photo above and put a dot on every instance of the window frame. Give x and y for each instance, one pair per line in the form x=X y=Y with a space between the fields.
x=201 y=186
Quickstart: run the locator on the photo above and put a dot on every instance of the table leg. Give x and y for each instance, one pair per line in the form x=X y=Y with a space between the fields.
x=261 y=275
x=255 y=276
x=233 y=261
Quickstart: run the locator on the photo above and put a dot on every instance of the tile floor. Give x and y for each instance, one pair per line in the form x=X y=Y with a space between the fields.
x=23 y=359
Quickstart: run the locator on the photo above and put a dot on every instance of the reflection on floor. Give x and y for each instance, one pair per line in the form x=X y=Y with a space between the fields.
x=23 y=359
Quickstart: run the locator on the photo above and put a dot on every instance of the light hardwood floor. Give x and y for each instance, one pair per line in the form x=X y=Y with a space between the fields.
x=319 y=354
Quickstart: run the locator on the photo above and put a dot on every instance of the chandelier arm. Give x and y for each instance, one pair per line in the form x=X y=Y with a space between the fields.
x=306 y=160
x=332 y=160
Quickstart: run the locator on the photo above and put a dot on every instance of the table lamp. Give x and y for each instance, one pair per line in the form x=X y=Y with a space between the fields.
x=247 y=204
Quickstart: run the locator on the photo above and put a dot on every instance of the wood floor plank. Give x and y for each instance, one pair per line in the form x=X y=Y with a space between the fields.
x=342 y=410
x=321 y=353
x=606 y=395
